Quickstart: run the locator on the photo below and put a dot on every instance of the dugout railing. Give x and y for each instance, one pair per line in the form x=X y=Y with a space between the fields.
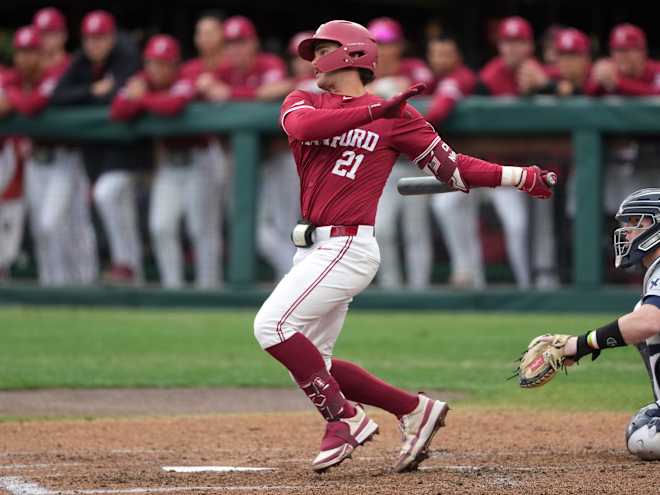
x=586 y=120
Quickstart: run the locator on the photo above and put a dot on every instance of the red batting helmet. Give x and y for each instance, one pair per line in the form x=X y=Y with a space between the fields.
x=162 y=47
x=357 y=47
x=48 y=20
x=27 y=38
x=627 y=36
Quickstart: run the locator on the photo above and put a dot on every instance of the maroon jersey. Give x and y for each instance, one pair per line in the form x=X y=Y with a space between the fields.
x=194 y=67
x=648 y=84
x=499 y=79
x=30 y=97
x=342 y=178
x=267 y=68
x=450 y=89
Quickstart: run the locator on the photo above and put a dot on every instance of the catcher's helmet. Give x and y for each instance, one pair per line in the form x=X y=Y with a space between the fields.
x=357 y=47
x=643 y=433
x=641 y=204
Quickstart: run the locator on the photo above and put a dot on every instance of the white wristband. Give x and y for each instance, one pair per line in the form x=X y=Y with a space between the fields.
x=512 y=176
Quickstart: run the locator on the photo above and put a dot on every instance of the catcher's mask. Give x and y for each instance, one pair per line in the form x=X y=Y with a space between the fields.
x=640 y=205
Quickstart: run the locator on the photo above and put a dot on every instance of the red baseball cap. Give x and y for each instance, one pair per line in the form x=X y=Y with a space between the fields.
x=49 y=20
x=162 y=47
x=386 y=30
x=239 y=27
x=27 y=38
x=98 y=22
x=515 y=28
x=627 y=36
x=295 y=41
x=572 y=41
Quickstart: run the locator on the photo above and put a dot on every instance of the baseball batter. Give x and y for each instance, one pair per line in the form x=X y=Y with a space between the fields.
x=636 y=242
x=345 y=142
x=187 y=182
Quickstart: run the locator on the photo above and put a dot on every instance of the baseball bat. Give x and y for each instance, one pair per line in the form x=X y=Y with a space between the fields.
x=412 y=186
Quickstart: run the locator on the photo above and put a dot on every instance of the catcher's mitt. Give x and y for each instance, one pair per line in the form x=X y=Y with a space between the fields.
x=543 y=358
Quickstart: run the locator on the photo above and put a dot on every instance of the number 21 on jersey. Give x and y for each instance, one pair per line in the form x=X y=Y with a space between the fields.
x=347 y=165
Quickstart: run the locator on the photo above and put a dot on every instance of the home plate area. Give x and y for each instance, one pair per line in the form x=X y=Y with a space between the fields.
x=480 y=451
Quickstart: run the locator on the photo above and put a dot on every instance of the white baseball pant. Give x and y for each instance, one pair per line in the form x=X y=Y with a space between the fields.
x=313 y=298
x=115 y=200
x=511 y=208
x=416 y=233
x=458 y=215
x=12 y=216
x=279 y=210
x=57 y=193
x=191 y=191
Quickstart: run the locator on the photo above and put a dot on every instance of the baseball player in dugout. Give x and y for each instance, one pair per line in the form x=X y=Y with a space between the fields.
x=187 y=182
x=108 y=58
x=278 y=186
x=209 y=41
x=514 y=72
x=345 y=142
x=56 y=185
x=457 y=213
x=572 y=69
x=636 y=242
x=394 y=74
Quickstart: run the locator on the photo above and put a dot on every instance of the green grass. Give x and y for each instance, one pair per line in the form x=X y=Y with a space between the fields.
x=464 y=352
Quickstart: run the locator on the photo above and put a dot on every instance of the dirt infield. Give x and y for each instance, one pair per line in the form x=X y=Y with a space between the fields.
x=479 y=451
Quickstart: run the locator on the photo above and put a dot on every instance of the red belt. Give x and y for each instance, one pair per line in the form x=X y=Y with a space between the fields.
x=344 y=230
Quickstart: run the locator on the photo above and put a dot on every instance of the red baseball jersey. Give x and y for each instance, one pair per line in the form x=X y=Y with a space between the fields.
x=192 y=68
x=30 y=97
x=267 y=68
x=648 y=84
x=342 y=177
x=499 y=78
x=450 y=89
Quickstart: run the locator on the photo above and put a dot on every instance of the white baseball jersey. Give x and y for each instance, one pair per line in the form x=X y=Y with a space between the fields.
x=651 y=289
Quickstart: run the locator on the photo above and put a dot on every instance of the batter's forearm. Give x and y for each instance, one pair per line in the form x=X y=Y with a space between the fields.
x=480 y=173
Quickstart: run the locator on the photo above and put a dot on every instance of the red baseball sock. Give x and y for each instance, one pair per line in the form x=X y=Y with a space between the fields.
x=361 y=386
x=306 y=364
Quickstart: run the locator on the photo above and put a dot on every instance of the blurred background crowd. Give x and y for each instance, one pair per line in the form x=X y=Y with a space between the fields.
x=155 y=211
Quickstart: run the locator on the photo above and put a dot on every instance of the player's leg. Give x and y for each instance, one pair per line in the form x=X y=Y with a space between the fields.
x=323 y=277
x=56 y=217
x=650 y=352
x=12 y=222
x=511 y=207
x=417 y=244
x=276 y=214
x=458 y=215
x=202 y=212
x=114 y=197
x=165 y=212
x=82 y=254
x=387 y=216
x=37 y=178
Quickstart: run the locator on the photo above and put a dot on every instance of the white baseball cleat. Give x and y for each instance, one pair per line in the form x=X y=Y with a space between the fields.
x=342 y=437
x=418 y=429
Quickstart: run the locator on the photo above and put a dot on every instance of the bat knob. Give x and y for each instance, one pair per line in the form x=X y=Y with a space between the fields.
x=550 y=179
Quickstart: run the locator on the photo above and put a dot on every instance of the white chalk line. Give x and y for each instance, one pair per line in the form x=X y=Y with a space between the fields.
x=215 y=469
x=18 y=486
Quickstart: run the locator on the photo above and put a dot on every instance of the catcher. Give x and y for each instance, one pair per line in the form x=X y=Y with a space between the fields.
x=637 y=241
